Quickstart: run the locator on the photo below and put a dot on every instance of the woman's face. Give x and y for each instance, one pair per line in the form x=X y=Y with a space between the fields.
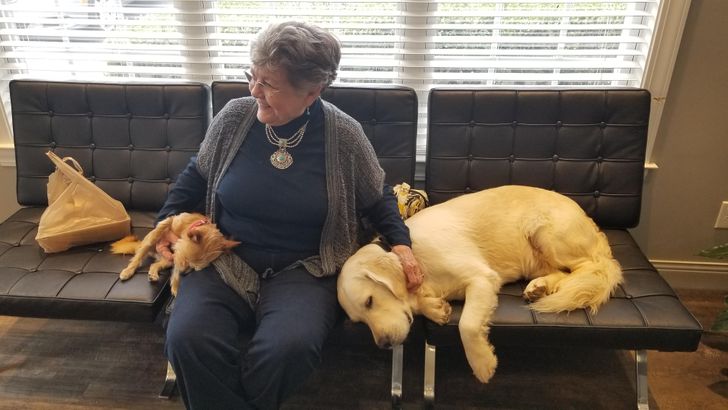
x=278 y=101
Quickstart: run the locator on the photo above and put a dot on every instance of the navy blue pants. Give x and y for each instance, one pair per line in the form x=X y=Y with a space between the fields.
x=295 y=314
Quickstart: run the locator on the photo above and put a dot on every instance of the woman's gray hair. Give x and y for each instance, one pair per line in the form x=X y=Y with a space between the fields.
x=309 y=55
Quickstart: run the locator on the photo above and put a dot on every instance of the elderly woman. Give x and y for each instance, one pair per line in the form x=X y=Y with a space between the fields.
x=289 y=175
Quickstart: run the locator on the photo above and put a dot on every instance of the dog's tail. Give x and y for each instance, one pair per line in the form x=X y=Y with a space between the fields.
x=126 y=245
x=587 y=286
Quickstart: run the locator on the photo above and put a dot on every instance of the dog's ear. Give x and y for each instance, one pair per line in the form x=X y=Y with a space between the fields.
x=390 y=275
x=195 y=235
x=228 y=244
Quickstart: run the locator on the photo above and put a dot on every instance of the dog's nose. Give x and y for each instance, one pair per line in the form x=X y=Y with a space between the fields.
x=385 y=343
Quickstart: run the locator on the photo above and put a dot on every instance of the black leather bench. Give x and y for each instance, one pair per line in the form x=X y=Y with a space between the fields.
x=590 y=146
x=131 y=140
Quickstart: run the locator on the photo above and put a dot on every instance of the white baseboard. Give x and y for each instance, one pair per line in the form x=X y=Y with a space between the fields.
x=7 y=156
x=694 y=275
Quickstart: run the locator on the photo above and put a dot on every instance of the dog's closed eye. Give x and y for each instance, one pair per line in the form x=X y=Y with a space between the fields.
x=369 y=302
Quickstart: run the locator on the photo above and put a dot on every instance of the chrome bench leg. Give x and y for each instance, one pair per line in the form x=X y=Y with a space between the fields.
x=397 y=366
x=170 y=382
x=643 y=401
x=429 y=391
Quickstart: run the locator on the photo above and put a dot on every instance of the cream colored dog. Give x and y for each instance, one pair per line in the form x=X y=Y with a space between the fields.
x=467 y=248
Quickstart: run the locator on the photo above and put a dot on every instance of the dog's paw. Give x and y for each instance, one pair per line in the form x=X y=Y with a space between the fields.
x=443 y=313
x=126 y=273
x=437 y=309
x=485 y=369
x=153 y=274
x=535 y=290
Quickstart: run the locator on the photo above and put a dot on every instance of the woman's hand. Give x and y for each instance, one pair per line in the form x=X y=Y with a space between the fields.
x=410 y=266
x=164 y=246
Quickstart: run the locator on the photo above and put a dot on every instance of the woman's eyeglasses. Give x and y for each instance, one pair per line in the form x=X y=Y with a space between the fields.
x=252 y=82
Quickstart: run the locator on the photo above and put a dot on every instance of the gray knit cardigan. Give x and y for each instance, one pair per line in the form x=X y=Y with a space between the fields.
x=354 y=181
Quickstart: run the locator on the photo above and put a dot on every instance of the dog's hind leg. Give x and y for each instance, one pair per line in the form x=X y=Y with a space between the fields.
x=481 y=299
x=542 y=286
x=582 y=251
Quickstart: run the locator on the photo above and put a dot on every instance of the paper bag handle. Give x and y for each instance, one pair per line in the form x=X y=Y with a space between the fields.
x=74 y=163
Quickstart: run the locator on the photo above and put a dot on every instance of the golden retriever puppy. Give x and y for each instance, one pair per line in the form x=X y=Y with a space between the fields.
x=199 y=243
x=467 y=248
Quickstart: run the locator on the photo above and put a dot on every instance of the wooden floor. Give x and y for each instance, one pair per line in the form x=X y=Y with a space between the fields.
x=62 y=364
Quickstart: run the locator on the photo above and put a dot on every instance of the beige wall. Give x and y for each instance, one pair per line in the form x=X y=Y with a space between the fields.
x=682 y=197
x=8 y=197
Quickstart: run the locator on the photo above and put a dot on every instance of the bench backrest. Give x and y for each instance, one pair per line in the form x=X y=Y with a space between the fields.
x=132 y=140
x=388 y=116
x=586 y=144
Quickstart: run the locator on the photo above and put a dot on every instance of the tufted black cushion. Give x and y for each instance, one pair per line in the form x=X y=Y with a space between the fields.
x=388 y=116
x=132 y=141
x=586 y=144
x=589 y=145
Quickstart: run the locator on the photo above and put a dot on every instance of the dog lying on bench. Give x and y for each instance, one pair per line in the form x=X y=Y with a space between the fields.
x=467 y=248
x=199 y=243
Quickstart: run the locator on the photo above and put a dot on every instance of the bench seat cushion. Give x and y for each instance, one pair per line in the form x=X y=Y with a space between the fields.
x=80 y=283
x=644 y=313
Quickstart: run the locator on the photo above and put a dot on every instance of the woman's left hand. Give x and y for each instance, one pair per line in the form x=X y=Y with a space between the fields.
x=410 y=266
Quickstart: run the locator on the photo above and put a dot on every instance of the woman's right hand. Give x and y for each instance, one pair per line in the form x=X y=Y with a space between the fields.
x=164 y=246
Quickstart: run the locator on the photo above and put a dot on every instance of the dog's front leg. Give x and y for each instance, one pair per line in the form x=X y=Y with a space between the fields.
x=435 y=308
x=160 y=264
x=148 y=243
x=481 y=299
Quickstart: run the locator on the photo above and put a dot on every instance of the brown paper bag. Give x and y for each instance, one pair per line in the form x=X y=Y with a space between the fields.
x=78 y=211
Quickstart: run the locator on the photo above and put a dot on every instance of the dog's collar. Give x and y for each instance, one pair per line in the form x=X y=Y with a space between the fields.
x=382 y=243
x=198 y=223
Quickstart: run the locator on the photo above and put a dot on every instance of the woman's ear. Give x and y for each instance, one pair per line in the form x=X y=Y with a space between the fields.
x=312 y=94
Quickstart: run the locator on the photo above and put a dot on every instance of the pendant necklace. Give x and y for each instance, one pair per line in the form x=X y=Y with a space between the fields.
x=282 y=159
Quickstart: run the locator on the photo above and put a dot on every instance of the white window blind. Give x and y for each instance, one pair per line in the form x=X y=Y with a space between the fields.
x=420 y=44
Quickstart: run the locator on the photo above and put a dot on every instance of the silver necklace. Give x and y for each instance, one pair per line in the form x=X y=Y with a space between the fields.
x=281 y=158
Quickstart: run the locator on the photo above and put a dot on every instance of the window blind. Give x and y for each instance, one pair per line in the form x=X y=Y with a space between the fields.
x=420 y=44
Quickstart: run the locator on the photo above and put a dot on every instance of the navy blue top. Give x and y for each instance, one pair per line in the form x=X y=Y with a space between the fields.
x=288 y=207
x=278 y=210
